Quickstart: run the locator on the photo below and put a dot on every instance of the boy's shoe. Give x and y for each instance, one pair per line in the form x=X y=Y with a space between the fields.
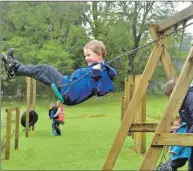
x=10 y=62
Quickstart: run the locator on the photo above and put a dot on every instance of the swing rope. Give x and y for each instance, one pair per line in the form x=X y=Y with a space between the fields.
x=172 y=53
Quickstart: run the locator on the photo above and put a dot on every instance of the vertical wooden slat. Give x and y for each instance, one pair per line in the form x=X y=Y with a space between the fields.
x=143 y=119
x=8 y=135
x=122 y=107
x=131 y=92
x=126 y=95
x=140 y=138
x=34 y=94
x=28 y=80
x=33 y=97
x=17 y=127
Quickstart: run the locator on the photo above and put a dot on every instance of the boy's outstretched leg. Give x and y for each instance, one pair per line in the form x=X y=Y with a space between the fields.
x=10 y=63
x=43 y=73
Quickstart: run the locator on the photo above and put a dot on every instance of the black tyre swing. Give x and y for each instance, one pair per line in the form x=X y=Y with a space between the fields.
x=33 y=118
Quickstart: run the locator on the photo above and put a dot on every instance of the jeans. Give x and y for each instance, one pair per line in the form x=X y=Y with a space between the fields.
x=55 y=126
x=190 y=163
x=43 y=73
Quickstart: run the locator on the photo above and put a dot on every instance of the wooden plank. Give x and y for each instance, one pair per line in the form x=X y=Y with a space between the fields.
x=178 y=18
x=168 y=66
x=143 y=127
x=173 y=139
x=8 y=136
x=126 y=95
x=34 y=94
x=133 y=106
x=11 y=109
x=28 y=105
x=140 y=137
x=175 y=102
x=131 y=92
x=165 y=58
x=33 y=98
x=122 y=107
x=17 y=128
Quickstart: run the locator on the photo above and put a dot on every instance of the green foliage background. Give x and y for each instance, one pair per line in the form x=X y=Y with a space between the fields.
x=54 y=33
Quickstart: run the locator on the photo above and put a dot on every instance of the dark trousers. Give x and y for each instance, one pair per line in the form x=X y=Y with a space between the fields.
x=56 y=126
x=173 y=165
x=190 y=163
x=43 y=73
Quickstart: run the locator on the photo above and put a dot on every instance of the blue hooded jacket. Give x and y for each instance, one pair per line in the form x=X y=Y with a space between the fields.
x=186 y=110
x=87 y=82
x=181 y=151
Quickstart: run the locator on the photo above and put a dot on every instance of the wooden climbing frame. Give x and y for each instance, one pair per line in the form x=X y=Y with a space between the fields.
x=161 y=136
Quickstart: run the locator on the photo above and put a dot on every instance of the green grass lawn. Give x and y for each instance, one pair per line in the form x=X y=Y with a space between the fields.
x=86 y=139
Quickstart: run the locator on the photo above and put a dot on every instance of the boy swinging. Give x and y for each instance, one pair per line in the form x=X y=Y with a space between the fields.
x=96 y=79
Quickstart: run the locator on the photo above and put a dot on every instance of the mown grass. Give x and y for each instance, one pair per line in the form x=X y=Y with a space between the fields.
x=86 y=139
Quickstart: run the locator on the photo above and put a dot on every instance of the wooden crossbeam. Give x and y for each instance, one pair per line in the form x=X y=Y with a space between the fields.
x=178 y=18
x=143 y=127
x=175 y=101
x=170 y=139
x=11 y=109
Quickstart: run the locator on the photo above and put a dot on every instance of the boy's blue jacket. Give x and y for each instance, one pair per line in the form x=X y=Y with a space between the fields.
x=87 y=82
x=181 y=151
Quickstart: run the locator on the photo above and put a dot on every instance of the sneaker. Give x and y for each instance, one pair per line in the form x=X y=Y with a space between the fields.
x=55 y=133
x=10 y=62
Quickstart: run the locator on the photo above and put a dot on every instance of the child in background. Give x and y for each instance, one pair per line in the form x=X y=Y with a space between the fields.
x=57 y=116
x=179 y=155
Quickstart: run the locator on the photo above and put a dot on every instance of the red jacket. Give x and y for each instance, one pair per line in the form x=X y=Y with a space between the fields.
x=61 y=114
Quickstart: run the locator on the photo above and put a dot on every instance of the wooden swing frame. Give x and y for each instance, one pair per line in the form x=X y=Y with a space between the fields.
x=161 y=136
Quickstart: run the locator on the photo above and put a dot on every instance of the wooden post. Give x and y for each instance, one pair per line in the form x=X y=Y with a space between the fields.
x=126 y=96
x=30 y=100
x=122 y=107
x=28 y=106
x=140 y=138
x=17 y=127
x=34 y=97
x=8 y=135
x=8 y=130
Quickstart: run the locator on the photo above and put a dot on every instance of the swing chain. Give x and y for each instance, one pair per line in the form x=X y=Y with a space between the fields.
x=182 y=37
x=148 y=44
x=121 y=56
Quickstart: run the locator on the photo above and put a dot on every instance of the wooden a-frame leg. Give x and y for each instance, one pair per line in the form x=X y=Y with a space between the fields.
x=133 y=106
x=171 y=110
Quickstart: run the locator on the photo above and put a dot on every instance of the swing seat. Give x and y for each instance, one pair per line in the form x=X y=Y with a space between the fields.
x=57 y=93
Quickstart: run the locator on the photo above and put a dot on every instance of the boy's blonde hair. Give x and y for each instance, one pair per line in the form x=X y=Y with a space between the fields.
x=97 y=47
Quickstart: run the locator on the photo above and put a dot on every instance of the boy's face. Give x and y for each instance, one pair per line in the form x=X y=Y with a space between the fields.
x=175 y=126
x=91 y=57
